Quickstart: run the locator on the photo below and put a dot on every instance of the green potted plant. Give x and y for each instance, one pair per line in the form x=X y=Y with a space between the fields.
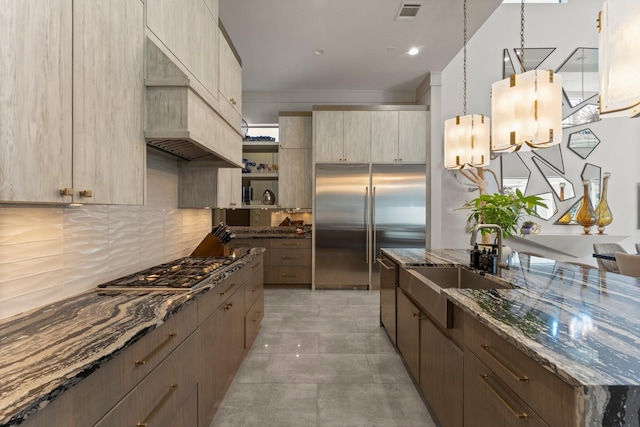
x=505 y=210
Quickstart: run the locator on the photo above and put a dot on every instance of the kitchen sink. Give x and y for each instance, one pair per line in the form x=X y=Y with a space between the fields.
x=424 y=285
x=457 y=277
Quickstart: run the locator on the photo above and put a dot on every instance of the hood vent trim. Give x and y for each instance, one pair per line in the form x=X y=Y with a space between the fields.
x=408 y=10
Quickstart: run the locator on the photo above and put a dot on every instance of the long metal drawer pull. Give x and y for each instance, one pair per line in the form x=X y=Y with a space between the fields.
x=157 y=350
x=519 y=415
x=384 y=264
x=228 y=289
x=288 y=275
x=521 y=378
x=154 y=412
x=289 y=257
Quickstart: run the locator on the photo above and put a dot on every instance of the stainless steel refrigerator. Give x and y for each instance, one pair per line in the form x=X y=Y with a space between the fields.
x=360 y=208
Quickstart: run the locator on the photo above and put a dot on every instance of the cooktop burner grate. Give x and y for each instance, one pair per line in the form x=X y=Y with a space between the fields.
x=180 y=275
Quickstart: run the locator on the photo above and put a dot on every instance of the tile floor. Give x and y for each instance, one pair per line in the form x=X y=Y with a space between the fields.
x=321 y=359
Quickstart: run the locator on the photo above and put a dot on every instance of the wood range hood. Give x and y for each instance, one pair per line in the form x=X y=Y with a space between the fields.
x=180 y=119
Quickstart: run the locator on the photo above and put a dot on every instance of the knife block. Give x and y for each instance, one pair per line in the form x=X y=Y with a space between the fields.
x=210 y=246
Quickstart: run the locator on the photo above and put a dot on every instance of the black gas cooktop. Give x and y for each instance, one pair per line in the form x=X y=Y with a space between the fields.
x=183 y=274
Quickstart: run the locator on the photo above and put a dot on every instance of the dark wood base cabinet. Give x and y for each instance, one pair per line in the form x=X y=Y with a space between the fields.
x=490 y=402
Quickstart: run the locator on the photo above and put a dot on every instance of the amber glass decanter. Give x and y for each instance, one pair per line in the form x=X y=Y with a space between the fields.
x=586 y=216
x=605 y=217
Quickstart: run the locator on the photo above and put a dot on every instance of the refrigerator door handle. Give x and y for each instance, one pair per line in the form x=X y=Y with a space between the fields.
x=366 y=223
x=373 y=222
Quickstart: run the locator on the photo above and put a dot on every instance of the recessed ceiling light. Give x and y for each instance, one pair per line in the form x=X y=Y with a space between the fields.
x=318 y=52
x=413 y=51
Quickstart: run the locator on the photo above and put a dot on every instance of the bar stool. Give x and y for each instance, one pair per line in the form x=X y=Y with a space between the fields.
x=629 y=264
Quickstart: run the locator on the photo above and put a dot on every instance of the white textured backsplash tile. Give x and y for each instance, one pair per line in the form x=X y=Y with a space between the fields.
x=13 y=216
x=50 y=253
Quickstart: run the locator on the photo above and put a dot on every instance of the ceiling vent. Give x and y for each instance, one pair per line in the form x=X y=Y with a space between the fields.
x=408 y=10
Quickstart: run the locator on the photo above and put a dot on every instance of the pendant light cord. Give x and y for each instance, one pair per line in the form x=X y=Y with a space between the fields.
x=522 y=36
x=464 y=67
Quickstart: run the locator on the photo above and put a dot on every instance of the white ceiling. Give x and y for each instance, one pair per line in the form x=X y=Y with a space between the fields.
x=365 y=47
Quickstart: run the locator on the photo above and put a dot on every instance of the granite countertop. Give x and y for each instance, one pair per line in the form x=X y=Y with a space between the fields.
x=47 y=350
x=581 y=324
x=284 y=232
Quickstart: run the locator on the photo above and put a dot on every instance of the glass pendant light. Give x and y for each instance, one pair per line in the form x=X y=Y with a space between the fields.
x=526 y=108
x=466 y=137
x=619 y=58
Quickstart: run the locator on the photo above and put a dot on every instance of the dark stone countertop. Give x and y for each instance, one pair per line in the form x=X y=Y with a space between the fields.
x=581 y=324
x=283 y=232
x=47 y=350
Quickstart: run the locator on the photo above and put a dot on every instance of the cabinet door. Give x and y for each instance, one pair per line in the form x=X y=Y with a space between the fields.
x=384 y=136
x=489 y=402
x=408 y=333
x=412 y=136
x=229 y=185
x=230 y=81
x=35 y=112
x=188 y=30
x=295 y=183
x=295 y=131
x=441 y=378
x=328 y=128
x=108 y=142
x=220 y=346
x=357 y=136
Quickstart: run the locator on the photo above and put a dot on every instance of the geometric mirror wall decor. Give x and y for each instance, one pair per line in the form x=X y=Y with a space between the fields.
x=560 y=186
x=587 y=114
x=592 y=174
x=551 y=209
x=580 y=75
x=553 y=156
x=569 y=217
x=515 y=173
x=583 y=142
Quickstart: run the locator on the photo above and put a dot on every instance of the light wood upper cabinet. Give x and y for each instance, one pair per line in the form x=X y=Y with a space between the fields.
x=384 y=136
x=230 y=83
x=35 y=112
x=341 y=136
x=203 y=185
x=357 y=136
x=328 y=130
x=412 y=136
x=188 y=29
x=295 y=130
x=398 y=136
x=295 y=184
x=108 y=93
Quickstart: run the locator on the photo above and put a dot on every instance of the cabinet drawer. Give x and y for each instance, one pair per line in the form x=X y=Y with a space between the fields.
x=253 y=289
x=213 y=299
x=159 y=397
x=488 y=401
x=252 y=321
x=549 y=396
x=290 y=243
x=290 y=257
x=283 y=274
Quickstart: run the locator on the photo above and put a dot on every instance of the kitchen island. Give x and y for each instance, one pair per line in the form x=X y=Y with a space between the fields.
x=579 y=324
x=48 y=352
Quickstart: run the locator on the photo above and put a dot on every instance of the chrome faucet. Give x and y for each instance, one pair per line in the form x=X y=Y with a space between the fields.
x=474 y=237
